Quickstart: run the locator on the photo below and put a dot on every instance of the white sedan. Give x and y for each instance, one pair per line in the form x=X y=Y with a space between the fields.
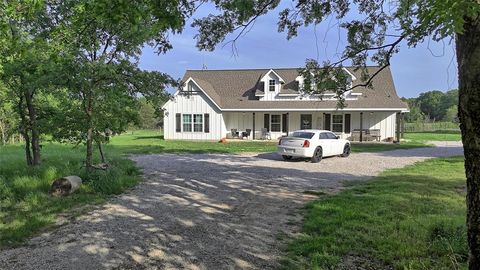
x=313 y=144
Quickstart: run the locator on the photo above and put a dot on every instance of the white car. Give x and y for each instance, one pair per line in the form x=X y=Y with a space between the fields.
x=313 y=144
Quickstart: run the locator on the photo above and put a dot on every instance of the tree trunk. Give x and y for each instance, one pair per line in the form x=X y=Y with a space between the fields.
x=100 y=149
x=24 y=132
x=35 y=139
x=89 y=112
x=2 y=130
x=468 y=57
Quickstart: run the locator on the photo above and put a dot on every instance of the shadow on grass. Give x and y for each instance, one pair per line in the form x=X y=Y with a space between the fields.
x=159 y=137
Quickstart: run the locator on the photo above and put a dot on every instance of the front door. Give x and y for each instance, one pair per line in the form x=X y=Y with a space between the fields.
x=305 y=121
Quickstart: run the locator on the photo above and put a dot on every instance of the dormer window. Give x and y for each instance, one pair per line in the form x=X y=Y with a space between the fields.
x=271 y=85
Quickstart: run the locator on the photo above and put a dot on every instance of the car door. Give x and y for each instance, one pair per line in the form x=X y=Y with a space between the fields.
x=325 y=143
x=336 y=144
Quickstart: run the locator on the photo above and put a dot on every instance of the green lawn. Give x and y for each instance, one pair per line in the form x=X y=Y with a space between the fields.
x=410 y=218
x=434 y=136
x=152 y=142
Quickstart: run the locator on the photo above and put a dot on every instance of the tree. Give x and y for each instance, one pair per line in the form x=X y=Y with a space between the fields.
x=430 y=104
x=8 y=121
x=452 y=114
x=26 y=62
x=449 y=99
x=148 y=117
x=370 y=38
x=102 y=42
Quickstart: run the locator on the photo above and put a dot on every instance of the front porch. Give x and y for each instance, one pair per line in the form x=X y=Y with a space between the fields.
x=354 y=125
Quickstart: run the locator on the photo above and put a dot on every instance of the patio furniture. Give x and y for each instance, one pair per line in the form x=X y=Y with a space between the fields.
x=266 y=134
x=246 y=133
x=375 y=134
x=234 y=133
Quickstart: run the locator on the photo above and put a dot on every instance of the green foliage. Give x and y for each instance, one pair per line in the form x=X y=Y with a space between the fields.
x=429 y=103
x=452 y=114
x=148 y=116
x=410 y=218
x=433 y=105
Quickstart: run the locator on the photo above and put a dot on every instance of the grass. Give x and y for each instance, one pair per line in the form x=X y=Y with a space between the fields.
x=144 y=142
x=26 y=207
x=147 y=141
x=444 y=135
x=409 y=218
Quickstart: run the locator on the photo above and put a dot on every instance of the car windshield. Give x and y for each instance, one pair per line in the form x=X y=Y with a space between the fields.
x=304 y=135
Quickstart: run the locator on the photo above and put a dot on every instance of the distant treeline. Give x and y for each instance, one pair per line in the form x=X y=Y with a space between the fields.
x=433 y=106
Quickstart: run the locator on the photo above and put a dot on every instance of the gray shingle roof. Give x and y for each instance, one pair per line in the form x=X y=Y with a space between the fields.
x=236 y=89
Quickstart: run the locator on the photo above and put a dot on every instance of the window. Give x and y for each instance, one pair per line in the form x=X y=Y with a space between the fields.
x=304 y=135
x=276 y=123
x=337 y=123
x=331 y=136
x=271 y=85
x=187 y=123
x=197 y=123
x=323 y=136
x=305 y=121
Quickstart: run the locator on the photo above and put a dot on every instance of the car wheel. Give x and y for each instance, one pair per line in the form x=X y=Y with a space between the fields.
x=317 y=155
x=346 y=151
x=285 y=157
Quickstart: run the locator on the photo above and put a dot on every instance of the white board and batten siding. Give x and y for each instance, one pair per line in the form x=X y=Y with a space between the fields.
x=195 y=103
x=384 y=121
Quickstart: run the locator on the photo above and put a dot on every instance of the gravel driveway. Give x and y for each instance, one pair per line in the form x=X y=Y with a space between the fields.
x=203 y=212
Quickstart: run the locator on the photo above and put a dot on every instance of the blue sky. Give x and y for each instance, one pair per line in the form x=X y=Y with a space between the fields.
x=429 y=66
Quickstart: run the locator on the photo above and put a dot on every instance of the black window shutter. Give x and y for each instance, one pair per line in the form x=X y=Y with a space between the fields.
x=266 y=121
x=178 y=122
x=206 y=123
x=284 y=122
x=347 y=123
x=328 y=118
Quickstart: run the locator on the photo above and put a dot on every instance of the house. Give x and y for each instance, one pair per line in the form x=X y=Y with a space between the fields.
x=213 y=102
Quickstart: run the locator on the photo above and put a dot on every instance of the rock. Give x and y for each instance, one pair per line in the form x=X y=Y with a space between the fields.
x=65 y=186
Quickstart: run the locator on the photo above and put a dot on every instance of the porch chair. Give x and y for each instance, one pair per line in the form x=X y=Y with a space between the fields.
x=246 y=133
x=266 y=134
x=234 y=133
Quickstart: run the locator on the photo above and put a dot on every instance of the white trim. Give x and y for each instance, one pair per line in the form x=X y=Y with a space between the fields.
x=286 y=95
x=351 y=74
x=276 y=74
x=186 y=82
x=317 y=110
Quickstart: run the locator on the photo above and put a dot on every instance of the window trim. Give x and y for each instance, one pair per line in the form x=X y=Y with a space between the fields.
x=279 y=123
x=198 y=123
x=270 y=85
x=341 y=123
x=189 y=123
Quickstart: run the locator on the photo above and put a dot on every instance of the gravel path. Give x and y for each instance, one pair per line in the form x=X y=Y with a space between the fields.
x=203 y=212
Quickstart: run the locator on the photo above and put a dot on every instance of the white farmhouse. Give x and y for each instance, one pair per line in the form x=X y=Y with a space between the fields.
x=268 y=103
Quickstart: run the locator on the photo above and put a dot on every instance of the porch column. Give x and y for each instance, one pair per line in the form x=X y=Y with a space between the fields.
x=398 y=127
x=361 y=126
x=253 y=130
x=402 y=125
